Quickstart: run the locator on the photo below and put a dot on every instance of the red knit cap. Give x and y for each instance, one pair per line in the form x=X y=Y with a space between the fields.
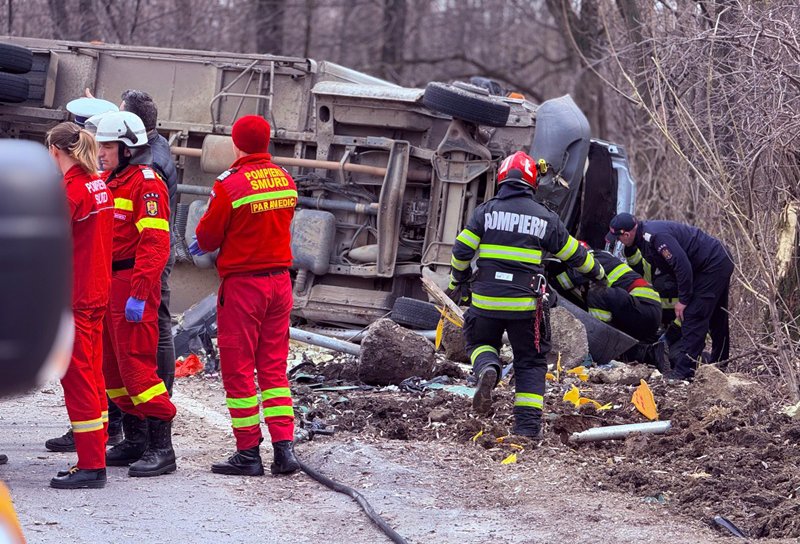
x=251 y=134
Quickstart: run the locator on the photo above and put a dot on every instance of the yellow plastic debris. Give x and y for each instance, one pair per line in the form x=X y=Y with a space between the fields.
x=477 y=436
x=550 y=376
x=573 y=396
x=510 y=460
x=439 y=331
x=643 y=400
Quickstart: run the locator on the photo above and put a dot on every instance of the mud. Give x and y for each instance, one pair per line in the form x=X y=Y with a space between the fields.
x=731 y=452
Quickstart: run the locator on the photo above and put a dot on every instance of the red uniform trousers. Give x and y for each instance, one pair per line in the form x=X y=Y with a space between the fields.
x=84 y=389
x=253 y=322
x=129 y=358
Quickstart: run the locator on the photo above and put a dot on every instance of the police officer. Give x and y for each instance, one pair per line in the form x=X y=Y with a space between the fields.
x=140 y=252
x=628 y=302
x=702 y=268
x=509 y=234
x=249 y=218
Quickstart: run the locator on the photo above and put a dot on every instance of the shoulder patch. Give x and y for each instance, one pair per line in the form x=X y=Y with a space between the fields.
x=226 y=173
x=152 y=208
x=148 y=173
x=647 y=236
x=665 y=252
x=148 y=196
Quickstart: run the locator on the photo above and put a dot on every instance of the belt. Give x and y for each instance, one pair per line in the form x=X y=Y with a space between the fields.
x=523 y=279
x=123 y=264
x=269 y=272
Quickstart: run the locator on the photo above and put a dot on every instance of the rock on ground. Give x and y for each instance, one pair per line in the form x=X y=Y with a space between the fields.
x=621 y=374
x=568 y=337
x=391 y=353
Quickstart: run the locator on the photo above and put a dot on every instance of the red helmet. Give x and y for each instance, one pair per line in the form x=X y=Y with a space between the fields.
x=518 y=166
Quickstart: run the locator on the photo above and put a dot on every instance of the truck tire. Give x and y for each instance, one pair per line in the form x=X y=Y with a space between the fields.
x=415 y=314
x=463 y=104
x=13 y=88
x=15 y=59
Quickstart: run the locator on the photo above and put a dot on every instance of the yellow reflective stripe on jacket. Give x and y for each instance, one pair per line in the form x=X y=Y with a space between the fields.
x=531 y=400
x=116 y=393
x=469 y=238
x=565 y=281
x=87 y=426
x=568 y=250
x=510 y=253
x=588 y=264
x=602 y=315
x=505 y=304
x=152 y=223
x=263 y=197
x=123 y=204
x=648 y=272
x=668 y=303
x=458 y=264
x=246 y=402
x=481 y=349
x=618 y=272
x=249 y=421
x=275 y=411
x=646 y=292
x=276 y=393
x=148 y=394
x=635 y=259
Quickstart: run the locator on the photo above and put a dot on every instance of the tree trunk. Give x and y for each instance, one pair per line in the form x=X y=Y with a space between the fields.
x=58 y=14
x=269 y=26
x=89 y=25
x=394 y=28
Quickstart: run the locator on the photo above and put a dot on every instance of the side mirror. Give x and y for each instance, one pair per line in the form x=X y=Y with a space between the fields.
x=36 y=330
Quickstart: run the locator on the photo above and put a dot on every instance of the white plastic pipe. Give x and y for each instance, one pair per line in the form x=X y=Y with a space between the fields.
x=612 y=432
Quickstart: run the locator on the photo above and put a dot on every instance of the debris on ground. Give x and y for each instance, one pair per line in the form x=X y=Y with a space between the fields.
x=391 y=353
x=620 y=373
x=571 y=340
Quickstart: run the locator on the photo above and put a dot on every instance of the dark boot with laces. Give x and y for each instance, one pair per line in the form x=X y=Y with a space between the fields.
x=482 y=399
x=78 y=478
x=159 y=457
x=134 y=444
x=63 y=443
x=284 y=461
x=242 y=463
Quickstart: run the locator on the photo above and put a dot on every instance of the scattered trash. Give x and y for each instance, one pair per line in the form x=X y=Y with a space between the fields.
x=196 y=329
x=612 y=432
x=510 y=460
x=655 y=499
x=188 y=366
x=574 y=396
x=726 y=524
x=643 y=400
x=792 y=411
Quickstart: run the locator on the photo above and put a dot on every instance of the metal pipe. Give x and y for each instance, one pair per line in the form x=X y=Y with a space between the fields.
x=612 y=432
x=324 y=341
x=355 y=335
x=414 y=175
x=194 y=189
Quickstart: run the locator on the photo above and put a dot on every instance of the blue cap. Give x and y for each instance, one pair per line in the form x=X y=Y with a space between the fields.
x=83 y=108
x=620 y=224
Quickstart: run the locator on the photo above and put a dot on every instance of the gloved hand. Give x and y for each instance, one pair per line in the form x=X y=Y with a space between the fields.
x=194 y=248
x=461 y=294
x=134 y=310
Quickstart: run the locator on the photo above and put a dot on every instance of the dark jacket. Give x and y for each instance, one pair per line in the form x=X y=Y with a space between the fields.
x=164 y=165
x=681 y=250
x=510 y=233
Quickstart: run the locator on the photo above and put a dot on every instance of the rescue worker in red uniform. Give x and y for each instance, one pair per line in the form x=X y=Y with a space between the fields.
x=140 y=252
x=509 y=234
x=91 y=209
x=248 y=218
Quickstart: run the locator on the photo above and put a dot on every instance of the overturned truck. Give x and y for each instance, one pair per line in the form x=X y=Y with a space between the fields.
x=387 y=176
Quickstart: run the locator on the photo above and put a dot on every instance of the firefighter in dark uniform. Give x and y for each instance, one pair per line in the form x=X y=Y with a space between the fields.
x=509 y=234
x=629 y=303
x=702 y=268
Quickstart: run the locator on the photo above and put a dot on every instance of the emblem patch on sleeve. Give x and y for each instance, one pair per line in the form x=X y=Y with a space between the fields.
x=665 y=252
x=152 y=208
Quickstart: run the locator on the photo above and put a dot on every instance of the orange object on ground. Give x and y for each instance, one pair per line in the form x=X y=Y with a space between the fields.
x=188 y=367
x=644 y=401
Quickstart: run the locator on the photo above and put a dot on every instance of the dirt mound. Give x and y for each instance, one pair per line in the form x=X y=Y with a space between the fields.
x=391 y=353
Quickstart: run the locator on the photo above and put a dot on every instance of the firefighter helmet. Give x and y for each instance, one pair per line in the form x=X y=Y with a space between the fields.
x=121 y=126
x=518 y=166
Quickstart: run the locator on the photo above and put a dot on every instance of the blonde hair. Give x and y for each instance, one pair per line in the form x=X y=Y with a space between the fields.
x=79 y=144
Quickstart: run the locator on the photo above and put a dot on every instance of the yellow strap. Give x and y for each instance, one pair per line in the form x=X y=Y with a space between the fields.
x=152 y=223
x=149 y=394
x=116 y=393
x=123 y=204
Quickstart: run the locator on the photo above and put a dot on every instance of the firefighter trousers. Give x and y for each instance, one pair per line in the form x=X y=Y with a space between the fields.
x=484 y=338
x=84 y=389
x=253 y=339
x=129 y=358
x=706 y=313
x=636 y=317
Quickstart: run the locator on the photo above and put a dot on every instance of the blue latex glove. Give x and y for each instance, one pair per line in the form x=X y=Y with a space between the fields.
x=194 y=248
x=134 y=310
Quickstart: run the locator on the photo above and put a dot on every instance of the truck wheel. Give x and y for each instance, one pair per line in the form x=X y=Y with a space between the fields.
x=13 y=88
x=415 y=314
x=466 y=105
x=15 y=59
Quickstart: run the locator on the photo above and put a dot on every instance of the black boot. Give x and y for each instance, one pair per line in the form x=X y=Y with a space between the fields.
x=527 y=422
x=242 y=463
x=284 y=461
x=134 y=444
x=115 y=435
x=77 y=478
x=63 y=443
x=159 y=458
x=482 y=400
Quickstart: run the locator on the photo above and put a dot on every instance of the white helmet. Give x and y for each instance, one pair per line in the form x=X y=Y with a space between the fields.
x=121 y=126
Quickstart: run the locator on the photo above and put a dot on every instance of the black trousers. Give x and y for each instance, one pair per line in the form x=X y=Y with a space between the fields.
x=634 y=316
x=706 y=313
x=484 y=337
x=165 y=357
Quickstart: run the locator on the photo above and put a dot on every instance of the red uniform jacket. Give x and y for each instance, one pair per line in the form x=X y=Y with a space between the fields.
x=141 y=225
x=91 y=209
x=249 y=216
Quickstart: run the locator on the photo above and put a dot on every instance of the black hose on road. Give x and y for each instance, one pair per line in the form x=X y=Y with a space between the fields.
x=356 y=496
